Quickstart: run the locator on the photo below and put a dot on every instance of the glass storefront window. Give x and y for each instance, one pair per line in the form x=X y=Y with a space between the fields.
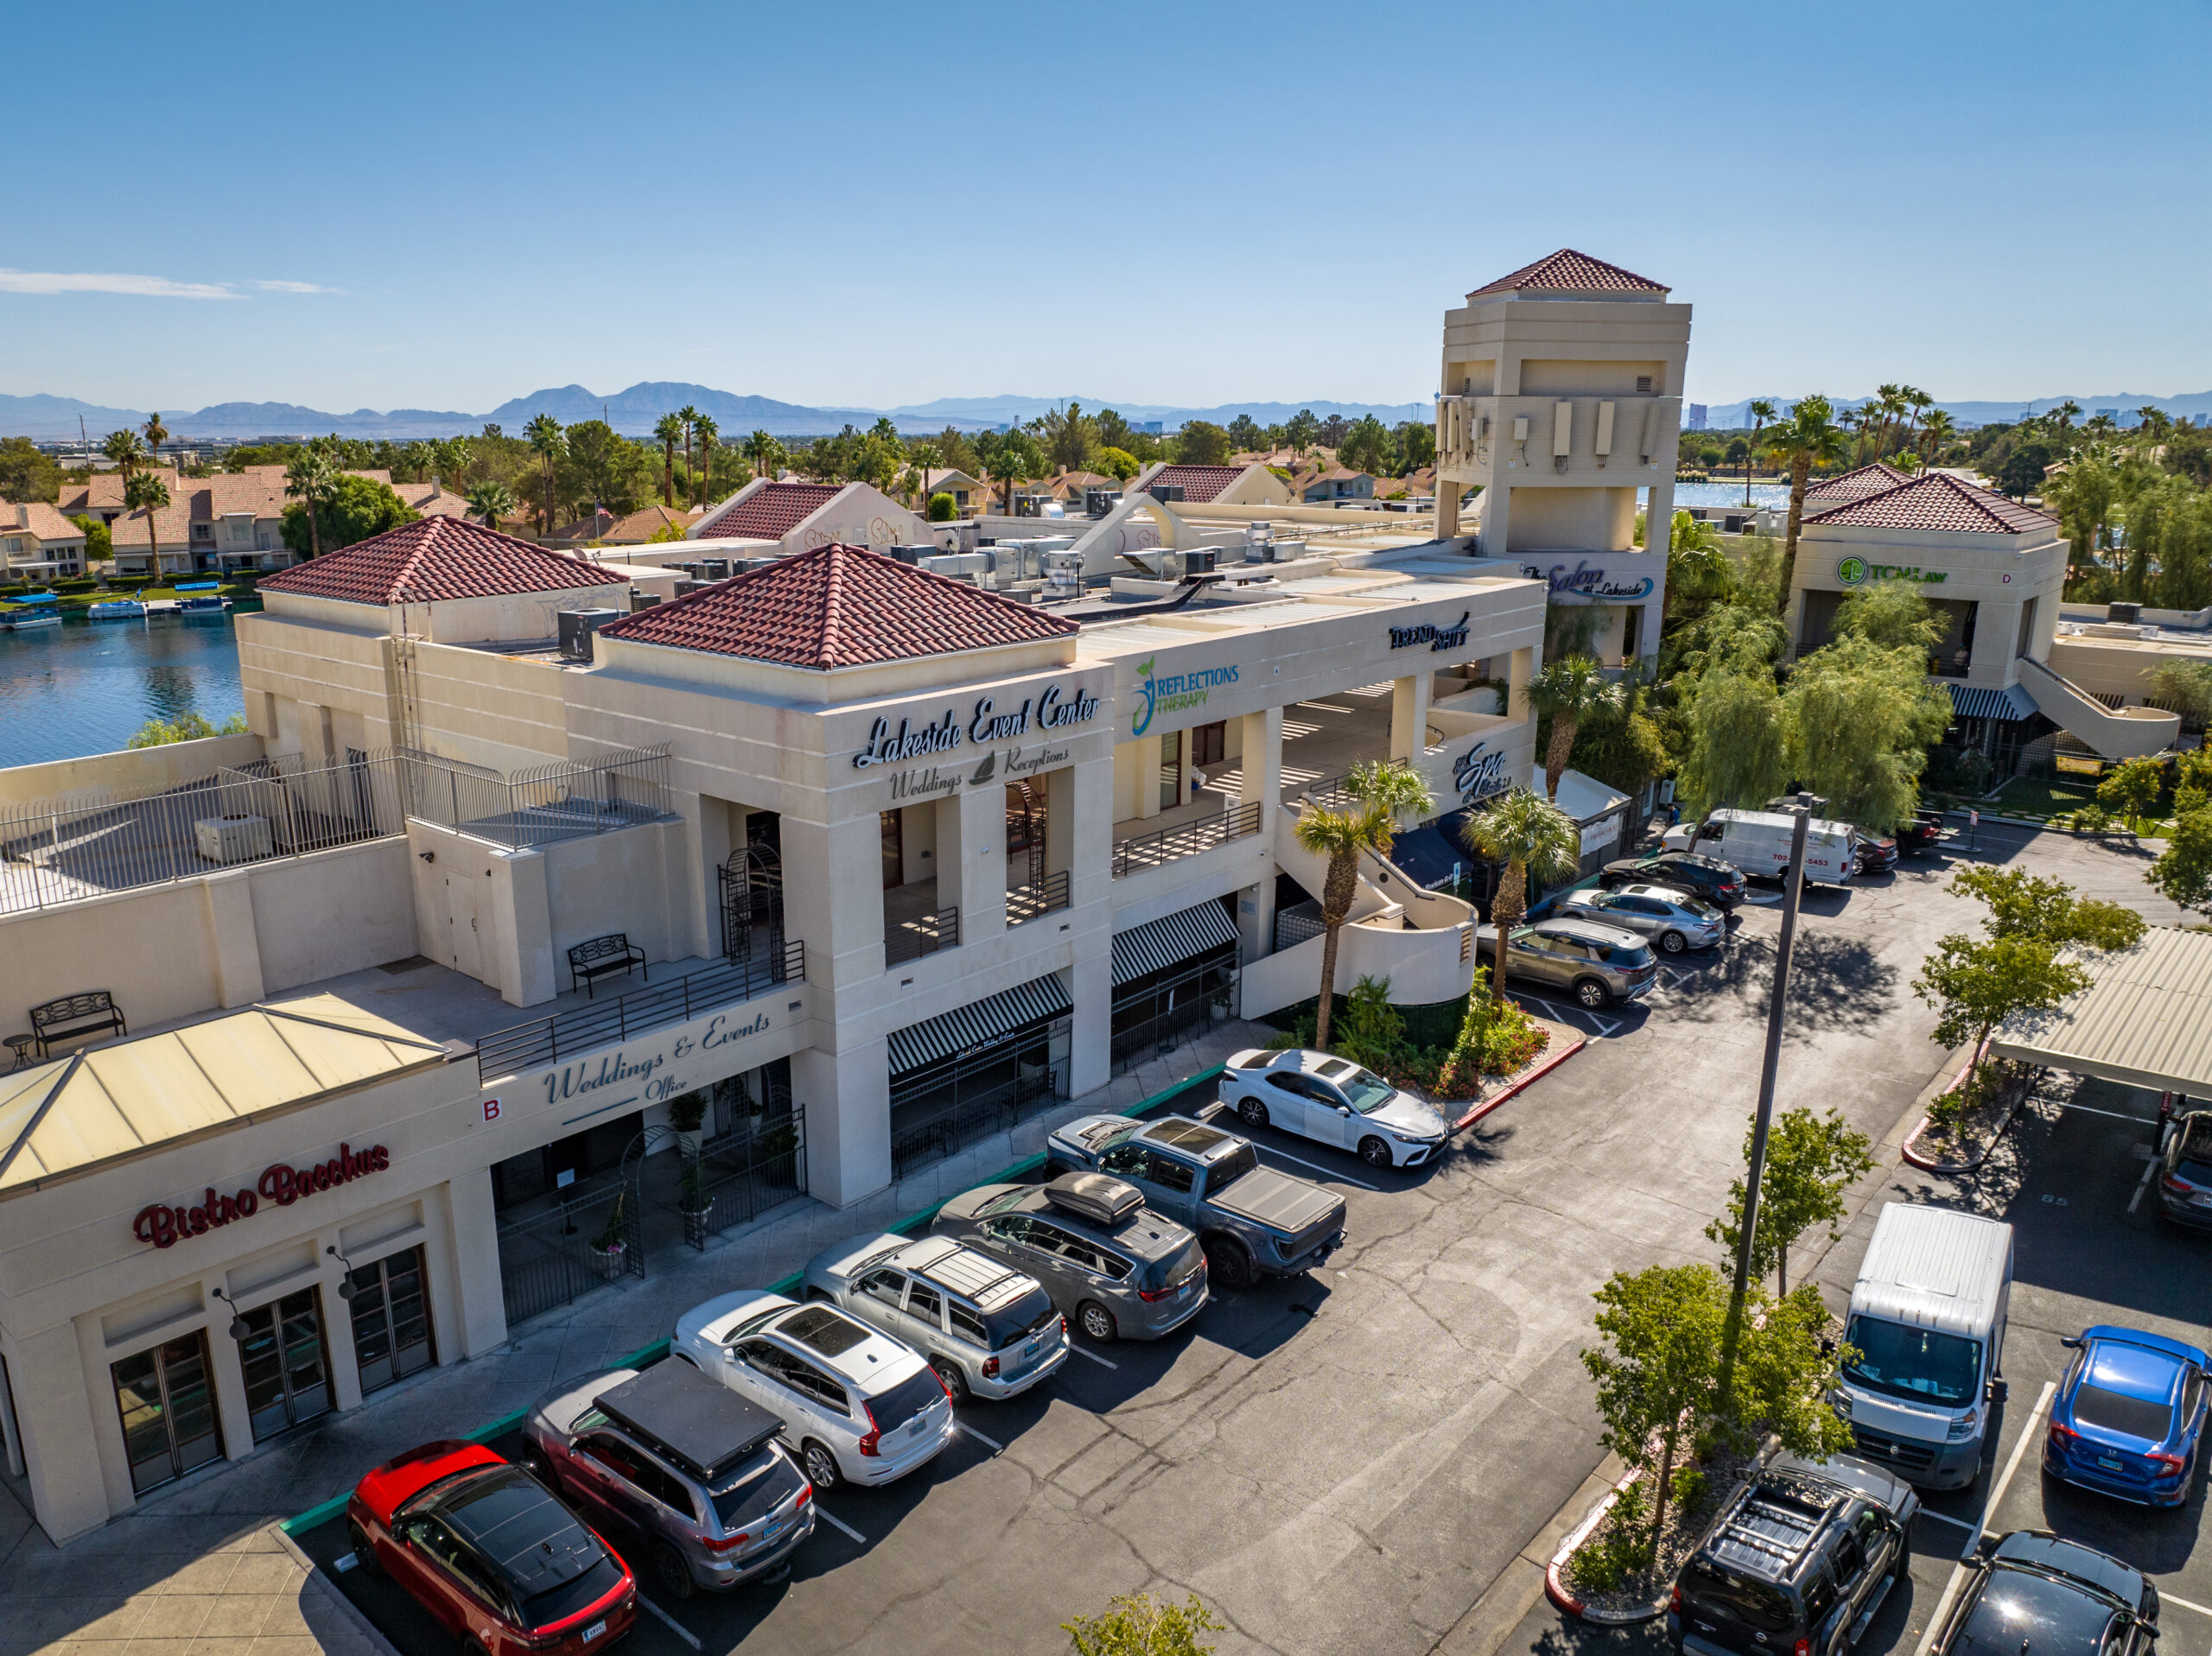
x=168 y=1412
x=287 y=1371
x=391 y=1320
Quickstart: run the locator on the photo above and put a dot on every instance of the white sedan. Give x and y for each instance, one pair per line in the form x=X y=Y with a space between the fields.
x=1322 y=1097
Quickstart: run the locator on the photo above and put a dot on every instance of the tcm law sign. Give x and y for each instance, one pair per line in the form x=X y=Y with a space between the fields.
x=1852 y=571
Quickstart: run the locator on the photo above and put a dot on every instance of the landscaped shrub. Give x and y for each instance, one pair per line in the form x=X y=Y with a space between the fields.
x=942 y=509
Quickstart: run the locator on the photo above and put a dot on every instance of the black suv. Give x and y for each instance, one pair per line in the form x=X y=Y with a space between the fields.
x=2185 y=1169
x=1719 y=883
x=2034 y=1592
x=1797 y=1563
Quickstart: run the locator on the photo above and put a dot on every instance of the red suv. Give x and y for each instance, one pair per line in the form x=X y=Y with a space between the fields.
x=486 y=1551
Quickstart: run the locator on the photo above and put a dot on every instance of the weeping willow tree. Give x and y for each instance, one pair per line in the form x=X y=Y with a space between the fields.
x=1739 y=749
x=1860 y=719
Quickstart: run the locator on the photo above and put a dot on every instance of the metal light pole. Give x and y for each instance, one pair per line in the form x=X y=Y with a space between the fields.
x=1792 y=884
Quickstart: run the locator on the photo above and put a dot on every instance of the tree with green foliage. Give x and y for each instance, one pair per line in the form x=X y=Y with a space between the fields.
x=1067 y=436
x=549 y=442
x=1808 y=438
x=1367 y=447
x=311 y=479
x=1301 y=431
x=190 y=725
x=1415 y=440
x=1567 y=691
x=2044 y=910
x=1137 y=1624
x=145 y=492
x=126 y=449
x=1112 y=431
x=2132 y=787
x=1860 y=720
x=99 y=540
x=2183 y=873
x=356 y=508
x=709 y=435
x=1622 y=746
x=602 y=468
x=1891 y=614
x=1201 y=442
x=1811 y=1160
x=943 y=508
x=1381 y=792
x=1116 y=463
x=1009 y=458
x=491 y=501
x=1246 y=433
x=26 y=474
x=1527 y=835
x=668 y=431
x=2084 y=496
x=765 y=453
x=2022 y=473
x=1739 y=740
x=1762 y=410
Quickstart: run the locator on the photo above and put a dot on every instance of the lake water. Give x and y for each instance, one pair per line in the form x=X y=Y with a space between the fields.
x=1732 y=494
x=88 y=687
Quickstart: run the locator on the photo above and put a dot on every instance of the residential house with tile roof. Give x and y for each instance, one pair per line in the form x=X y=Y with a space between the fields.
x=229 y=521
x=971 y=496
x=1329 y=485
x=38 y=543
x=1249 y=485
x=798 y=516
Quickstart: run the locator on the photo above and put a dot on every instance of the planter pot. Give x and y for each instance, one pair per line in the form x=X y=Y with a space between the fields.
x=687 y=1146
x=609 y=1259
x=694 y=1224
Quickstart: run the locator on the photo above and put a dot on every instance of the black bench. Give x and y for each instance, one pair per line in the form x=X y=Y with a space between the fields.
x=93 y=1013
x=598 y=956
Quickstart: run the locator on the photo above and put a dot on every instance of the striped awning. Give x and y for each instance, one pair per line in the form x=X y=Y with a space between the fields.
x=1173 y=938
x=1974 y=701
x=1039 y=1001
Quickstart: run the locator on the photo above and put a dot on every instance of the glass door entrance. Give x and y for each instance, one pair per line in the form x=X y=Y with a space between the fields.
x=391 y=1320
x=168 y=1412
x=287 y=1371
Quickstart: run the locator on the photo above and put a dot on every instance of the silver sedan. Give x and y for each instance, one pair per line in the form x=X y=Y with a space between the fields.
x=1667 y=917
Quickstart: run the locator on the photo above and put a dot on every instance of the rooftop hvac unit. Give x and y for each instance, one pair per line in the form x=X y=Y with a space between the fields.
x=576 y=628
x=690 y=569
x=974 y=567
x=233 y=839
x=685 y=587
x=1166 y=491
x=643 y=602
x=1197 y=561
x=1096 y=502
x=2129 y=614
x=714 y=569
x=1063 y=574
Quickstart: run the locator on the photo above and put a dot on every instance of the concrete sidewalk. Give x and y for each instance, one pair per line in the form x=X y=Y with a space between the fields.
x=199 y=1567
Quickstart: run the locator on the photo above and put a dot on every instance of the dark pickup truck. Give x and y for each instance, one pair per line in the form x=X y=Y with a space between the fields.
x=1924 y=832
x=1252 y=1221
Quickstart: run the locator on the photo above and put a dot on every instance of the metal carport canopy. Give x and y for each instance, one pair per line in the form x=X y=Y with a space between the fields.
x=2145 y=1019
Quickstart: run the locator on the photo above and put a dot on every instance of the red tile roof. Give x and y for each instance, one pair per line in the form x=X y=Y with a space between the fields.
x=1200 y=483
x=838 y=605
x=1568 y=272
x=435 y=559
x=771 y=511
x=1856 y=484
x=1940 y=502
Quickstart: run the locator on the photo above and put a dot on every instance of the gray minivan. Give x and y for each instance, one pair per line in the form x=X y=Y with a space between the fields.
x=1117 y=1269
x=1927 y=1320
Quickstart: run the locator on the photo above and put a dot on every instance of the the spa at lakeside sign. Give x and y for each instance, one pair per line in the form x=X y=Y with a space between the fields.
x=1052 y=709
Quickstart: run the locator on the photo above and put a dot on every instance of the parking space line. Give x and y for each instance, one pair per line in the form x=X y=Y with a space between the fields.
x=1997 y=1493
x=1945 y=1517
x=2116 y=1116
x=2141 y=1185
x=991 y=1443
x=1093 y=1356
x=1326 y=1172
x=2165 y=1597
x=838 y=1523
x=674 y=1626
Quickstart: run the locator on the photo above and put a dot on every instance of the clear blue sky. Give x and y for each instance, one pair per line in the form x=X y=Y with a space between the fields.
x=876 y=204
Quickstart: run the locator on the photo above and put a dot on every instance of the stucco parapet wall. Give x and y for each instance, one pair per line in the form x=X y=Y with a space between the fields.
x=128 y=768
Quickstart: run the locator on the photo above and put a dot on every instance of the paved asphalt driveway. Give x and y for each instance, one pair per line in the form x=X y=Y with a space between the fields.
x=1345 y=1463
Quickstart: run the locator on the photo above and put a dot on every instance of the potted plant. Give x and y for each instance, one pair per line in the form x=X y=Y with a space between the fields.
x=693 y=1202
x=609 y=1246
x=685 y=1113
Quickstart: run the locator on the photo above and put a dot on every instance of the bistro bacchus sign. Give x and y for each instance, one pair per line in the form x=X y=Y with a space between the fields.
x=281 y=1183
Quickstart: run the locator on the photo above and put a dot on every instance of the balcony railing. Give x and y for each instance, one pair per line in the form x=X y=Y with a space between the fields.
x=925 y=933
x=1040 y=897
x=545 y=1041
x=1163 y=846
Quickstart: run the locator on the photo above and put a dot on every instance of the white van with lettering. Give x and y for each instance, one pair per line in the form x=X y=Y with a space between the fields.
x=1759 y=843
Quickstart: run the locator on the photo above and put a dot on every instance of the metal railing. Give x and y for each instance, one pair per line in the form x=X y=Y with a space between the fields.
x=86 y=844
x=1038 y=897
x=549 y=1260
x=1163 y=846
x=1298 y=922
x=925 y=933
x=545 y=1040
x=972 y=1118
x=543 y=804
x=739 y=1179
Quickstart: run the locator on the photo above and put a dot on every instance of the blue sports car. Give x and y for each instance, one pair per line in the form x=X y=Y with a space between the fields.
x=2128 y=1416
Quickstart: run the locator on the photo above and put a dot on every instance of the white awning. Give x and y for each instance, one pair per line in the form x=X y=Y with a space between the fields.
x=1039 y=1001
x=1172 y=937
x=2145 y=1019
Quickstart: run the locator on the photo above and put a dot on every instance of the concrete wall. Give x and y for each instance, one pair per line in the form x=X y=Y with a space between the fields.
x=131 y=768
x=2115 y=667
x=1575 y=520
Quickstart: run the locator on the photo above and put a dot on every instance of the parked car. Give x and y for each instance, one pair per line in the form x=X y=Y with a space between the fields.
x=1799 y=1561
x=1670 y=918
x=856 y=1405
x=1707 y=879
x=690 y=1468
x=1597 y=964
x=1252 y=1221
x=2128 y=1416
x=2034 y=1592
x=485 y=1549
x=2185 y=1167
x=1115 y=1267
x=1876 y=854
x=1925 y=832
x=985 y=1327
x=1319 y=1095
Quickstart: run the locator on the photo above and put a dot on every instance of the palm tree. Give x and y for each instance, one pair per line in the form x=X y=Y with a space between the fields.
x=1762 y=411
x=126 y=449
x=668 y=431
x=709 y=435
x=1935 y=433
x=453 y=461
x=763 y=451
x=1530 y=836
x=2063 y=416
x=2154 y=419
x=156 y=434
x=312 y=478
x=689 y=416
x=1381 y=792
x=1809 y=435
x=549 y=442
x=492 y=500
x=1570 y=689
x=1889 y=400
x=145 y=492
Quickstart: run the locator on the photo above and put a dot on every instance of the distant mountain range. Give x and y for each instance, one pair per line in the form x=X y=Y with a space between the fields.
x=633 y=412
x=1729 y=416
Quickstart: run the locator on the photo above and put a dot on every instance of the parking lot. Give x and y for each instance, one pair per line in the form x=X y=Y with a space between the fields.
x=1347 y=1462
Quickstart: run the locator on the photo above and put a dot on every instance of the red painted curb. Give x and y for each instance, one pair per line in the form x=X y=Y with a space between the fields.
x=1541 y=1071
x=1555 y=1590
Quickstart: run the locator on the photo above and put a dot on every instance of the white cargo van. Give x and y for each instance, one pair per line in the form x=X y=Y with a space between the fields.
x=1927 y=1320
x=1759 y=843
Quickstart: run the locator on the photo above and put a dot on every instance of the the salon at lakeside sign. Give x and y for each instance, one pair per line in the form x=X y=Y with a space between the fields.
x=279 y=1183
x=1053 y=708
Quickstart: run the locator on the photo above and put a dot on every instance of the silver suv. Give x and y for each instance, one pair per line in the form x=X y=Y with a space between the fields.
x=1599 y=964
x=1118 y=1269
x=668 y=1455
x=984 y=1327
x=1669 y=918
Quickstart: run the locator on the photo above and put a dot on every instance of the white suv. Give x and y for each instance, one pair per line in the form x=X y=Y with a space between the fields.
x=1333 y=1100
x=985 y=1327
x=855 y=1405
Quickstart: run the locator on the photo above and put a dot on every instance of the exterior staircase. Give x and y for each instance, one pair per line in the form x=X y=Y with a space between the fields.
x=2110 y=732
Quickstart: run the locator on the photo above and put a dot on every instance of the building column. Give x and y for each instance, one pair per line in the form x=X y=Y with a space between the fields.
x=846 y=1098
x=481 y=1315
x=1447 y=506
x=66 y=1412
x=971 y=859
x=1497 y=503
x=1090 y=1030
x=833 y=895
x=1409 y=717
x=1261 y=776
x=707 y=836
x=234 y=943
x=1660 y=512
x=1519 y=671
